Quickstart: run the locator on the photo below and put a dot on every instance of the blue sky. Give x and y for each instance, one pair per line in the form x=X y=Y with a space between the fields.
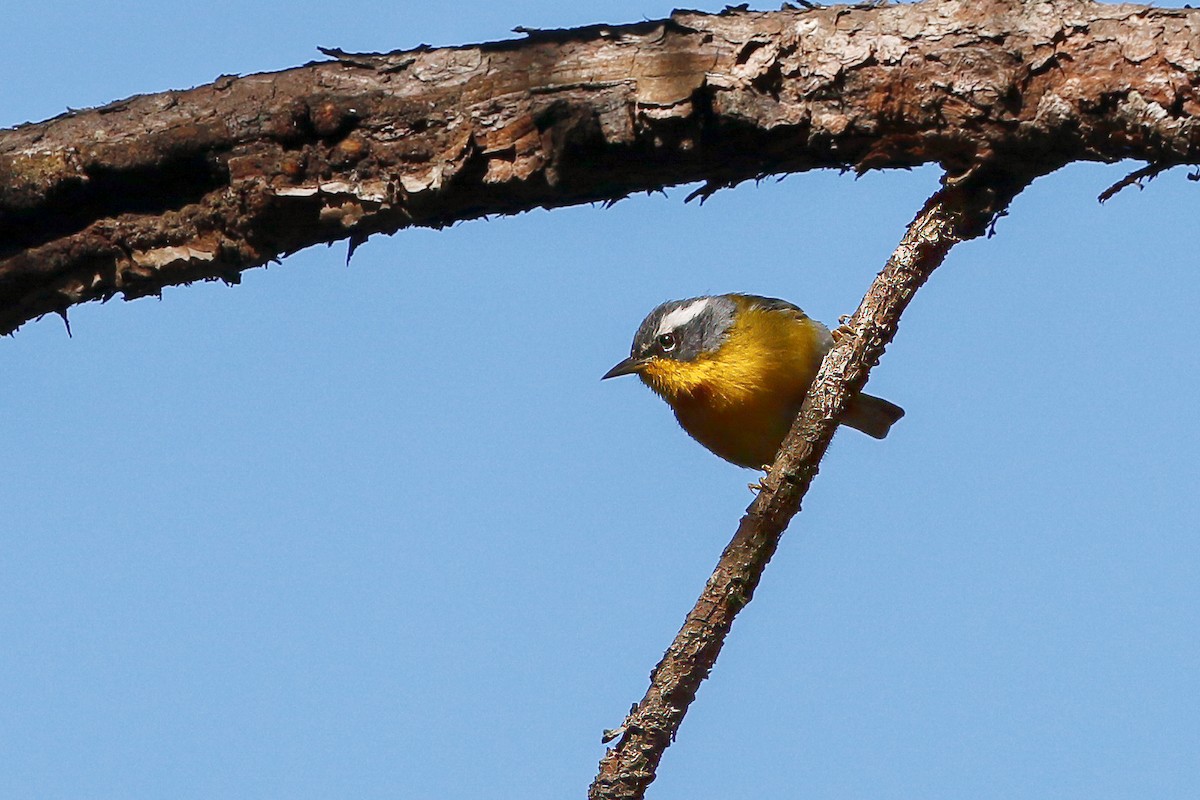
x=380 y=531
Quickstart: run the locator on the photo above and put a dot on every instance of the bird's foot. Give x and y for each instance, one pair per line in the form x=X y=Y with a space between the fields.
x=842 y=331
x=760 y=484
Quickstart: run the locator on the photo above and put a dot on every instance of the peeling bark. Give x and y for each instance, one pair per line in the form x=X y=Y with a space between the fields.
x=169 y=188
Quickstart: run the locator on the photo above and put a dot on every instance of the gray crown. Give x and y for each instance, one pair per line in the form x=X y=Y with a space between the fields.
x=696 y=325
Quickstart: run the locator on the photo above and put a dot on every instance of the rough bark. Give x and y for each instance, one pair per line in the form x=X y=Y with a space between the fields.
x=201 y=184
x=960 y=211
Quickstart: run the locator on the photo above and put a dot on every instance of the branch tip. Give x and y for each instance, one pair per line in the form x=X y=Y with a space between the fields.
x=1135 y=178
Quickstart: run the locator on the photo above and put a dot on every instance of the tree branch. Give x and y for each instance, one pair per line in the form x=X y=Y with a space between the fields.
x=959 y=211
x=169 y=188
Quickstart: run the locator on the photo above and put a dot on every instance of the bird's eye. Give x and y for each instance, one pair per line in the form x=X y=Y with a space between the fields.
x=666 y=341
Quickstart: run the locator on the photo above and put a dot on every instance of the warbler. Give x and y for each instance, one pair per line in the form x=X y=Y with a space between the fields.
x=735 y=369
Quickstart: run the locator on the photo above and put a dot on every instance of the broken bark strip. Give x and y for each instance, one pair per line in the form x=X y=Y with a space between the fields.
x=179 y=186
x=955 y=214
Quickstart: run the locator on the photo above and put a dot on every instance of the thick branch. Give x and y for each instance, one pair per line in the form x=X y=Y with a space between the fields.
x=201 y=184
x=955 y=214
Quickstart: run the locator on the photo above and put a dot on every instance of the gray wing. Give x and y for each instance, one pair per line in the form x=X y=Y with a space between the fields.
x=772 y=303
x=775 y=304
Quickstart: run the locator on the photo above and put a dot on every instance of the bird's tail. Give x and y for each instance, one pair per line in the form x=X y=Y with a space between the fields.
x=872 y=415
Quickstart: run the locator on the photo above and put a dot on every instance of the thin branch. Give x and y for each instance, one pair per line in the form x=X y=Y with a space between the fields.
x=957 y=212
x=1135 y=178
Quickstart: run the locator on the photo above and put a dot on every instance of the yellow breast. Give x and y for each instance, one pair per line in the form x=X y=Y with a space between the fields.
x=739 y=401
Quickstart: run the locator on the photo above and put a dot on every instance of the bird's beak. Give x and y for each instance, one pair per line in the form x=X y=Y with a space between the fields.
x=630 y=366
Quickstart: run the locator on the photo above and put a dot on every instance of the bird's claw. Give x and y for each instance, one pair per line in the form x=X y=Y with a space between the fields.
x=842 y=331
x=760 y=484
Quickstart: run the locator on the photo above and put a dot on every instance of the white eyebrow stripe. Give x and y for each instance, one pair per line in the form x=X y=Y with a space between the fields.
x=682 y=315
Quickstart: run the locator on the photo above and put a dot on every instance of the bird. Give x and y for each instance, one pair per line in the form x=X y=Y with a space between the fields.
x=735 y=368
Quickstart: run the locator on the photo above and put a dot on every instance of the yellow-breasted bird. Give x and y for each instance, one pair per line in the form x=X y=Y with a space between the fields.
x=735 y=369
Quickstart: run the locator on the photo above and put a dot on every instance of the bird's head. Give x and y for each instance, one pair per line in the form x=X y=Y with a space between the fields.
x=675 y=348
